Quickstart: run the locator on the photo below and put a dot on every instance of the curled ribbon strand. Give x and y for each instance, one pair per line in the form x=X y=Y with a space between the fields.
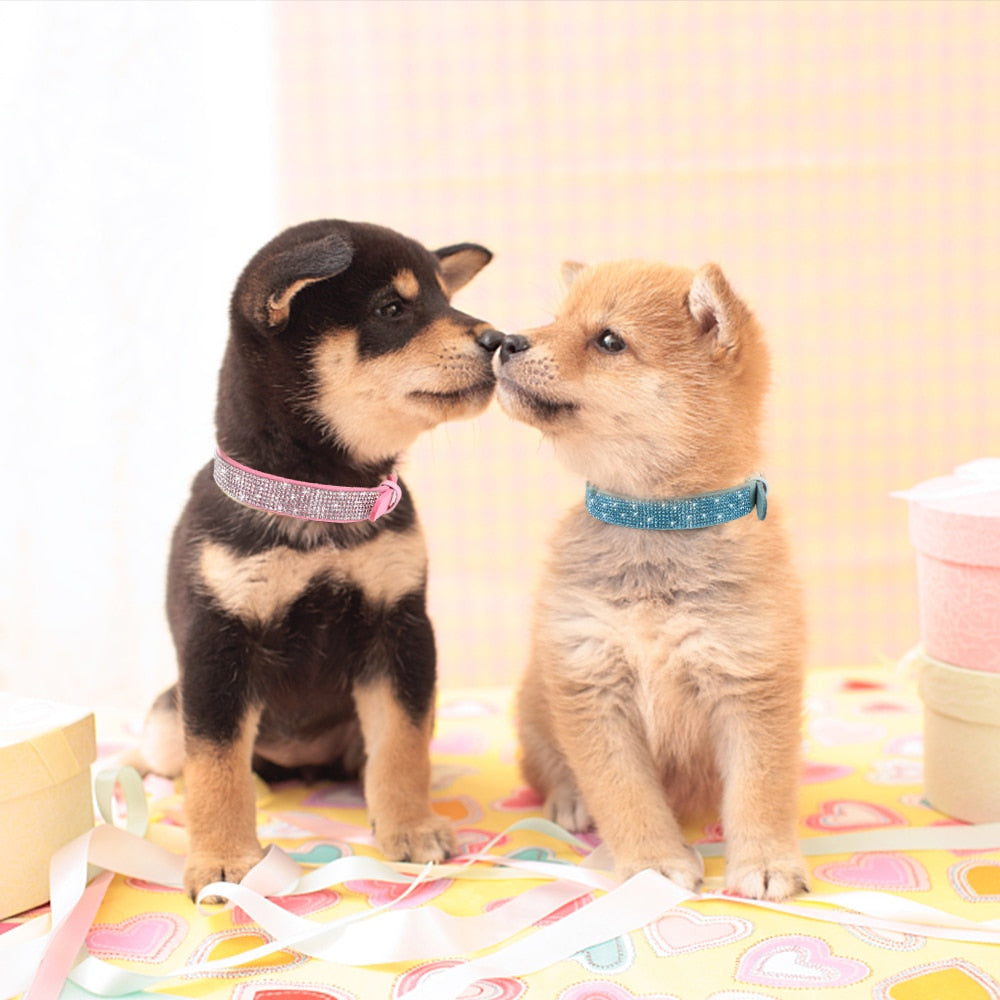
x=40 y=956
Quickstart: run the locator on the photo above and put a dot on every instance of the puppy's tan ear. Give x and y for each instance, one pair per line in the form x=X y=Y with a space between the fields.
x=461 y=263
x=570 y=271
x=717 y=309
x=264 y=293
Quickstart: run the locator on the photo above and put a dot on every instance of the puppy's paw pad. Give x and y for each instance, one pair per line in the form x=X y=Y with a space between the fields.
x=772 y=880
x=565 y=807
x=432 y=839
x=202 y=869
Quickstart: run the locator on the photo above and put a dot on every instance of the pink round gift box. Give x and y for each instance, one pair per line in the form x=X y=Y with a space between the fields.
x=955 y=528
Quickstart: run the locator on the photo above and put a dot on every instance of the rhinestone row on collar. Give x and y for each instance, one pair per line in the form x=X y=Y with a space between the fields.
x=684 y=513
x=305 y=501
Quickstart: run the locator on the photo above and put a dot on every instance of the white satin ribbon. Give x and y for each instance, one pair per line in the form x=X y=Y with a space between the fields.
x=39 y=956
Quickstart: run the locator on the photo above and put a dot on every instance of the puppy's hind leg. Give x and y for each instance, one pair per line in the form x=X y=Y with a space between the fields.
x=161 y=749
x=543 y=765
x=564 y=804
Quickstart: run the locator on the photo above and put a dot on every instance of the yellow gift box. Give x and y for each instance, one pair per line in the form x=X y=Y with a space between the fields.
x=46 y=750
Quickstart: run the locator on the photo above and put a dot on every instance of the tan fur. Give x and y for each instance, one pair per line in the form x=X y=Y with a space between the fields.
x=278 y=306
x=224 y=845
x=162 y=748
x=378 y=406
x=406 y=284
x=458 y=269
x=666 y=668
x=258 y=588
x=397 y=778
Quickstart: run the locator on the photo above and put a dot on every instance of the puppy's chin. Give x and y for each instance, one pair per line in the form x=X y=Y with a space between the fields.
x=636 y=464
x=374 y=428
x=618 y=465
x=530 y=407
x=455 y=404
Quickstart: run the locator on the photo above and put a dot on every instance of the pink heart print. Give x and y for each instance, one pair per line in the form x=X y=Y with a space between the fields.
x=852 y=814
x=682 y=931
x=147 y=937
x=301 y=905
x=797 y=961
x=381 y=893
x=520 y=800
x=890 y=872
x=815 y=772
x=288 y=991
x=607 y=991
x=501 y=988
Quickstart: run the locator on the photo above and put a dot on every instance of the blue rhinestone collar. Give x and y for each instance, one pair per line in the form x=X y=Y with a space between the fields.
x=702 y=511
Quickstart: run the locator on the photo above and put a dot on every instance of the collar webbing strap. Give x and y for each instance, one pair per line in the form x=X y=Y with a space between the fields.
x=305 y=501
x=702 y=511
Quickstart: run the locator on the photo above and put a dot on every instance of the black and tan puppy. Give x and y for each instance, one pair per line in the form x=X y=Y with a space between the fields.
x=665 y=679
x=302 y=643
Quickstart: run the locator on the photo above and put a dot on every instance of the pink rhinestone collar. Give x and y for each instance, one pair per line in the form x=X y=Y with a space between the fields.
x=306 y=501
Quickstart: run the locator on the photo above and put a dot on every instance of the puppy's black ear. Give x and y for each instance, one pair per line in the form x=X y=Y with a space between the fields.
x=461 y=263
x=570 y=271
x=717 y=309
x=271 y=280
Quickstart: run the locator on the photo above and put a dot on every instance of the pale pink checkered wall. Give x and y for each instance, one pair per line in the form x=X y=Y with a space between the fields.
x=840 y=160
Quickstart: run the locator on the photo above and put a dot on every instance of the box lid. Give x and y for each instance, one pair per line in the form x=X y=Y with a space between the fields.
x=969 y=695
x=957 y=517
x=42 y=743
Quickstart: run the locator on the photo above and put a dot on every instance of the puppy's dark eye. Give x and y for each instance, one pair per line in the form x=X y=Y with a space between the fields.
x=609 y=342
x=389 y=310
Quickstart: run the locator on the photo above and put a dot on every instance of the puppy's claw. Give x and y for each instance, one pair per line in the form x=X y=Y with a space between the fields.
x=200 y=871
x=432 y=840
x=565 y=806
x=772 y=880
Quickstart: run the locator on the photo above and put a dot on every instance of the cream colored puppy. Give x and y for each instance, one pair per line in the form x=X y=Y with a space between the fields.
x=665 y=679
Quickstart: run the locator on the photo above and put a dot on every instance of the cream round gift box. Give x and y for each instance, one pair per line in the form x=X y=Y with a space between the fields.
x=955 y=528
x=961 y=740
x=45 y=801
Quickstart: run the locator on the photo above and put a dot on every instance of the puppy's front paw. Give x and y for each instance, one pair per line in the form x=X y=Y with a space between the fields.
x=432 y=839
x=768 y=878
x=683 y=867
x=202 y=868
x=564 y=805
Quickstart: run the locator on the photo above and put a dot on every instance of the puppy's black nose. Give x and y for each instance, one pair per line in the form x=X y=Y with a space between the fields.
x=513 y=343
x=490 y=340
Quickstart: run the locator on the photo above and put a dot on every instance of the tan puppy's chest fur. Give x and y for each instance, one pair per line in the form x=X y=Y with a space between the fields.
x=670 y=622
x=666 y=667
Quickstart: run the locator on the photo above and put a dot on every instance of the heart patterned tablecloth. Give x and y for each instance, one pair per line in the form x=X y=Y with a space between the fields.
x=907 y=909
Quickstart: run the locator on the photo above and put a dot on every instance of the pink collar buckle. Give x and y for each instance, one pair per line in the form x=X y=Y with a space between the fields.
x=305 y=501
x=389 y=495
